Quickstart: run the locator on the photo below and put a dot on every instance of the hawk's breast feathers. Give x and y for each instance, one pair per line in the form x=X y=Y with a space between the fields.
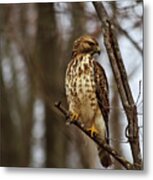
x=87 y=90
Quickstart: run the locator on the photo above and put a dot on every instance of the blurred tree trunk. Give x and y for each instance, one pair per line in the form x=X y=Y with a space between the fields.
x=25 y=114
x=8 y=148
x=47 y=54
x=27 y=108
x=21 y=113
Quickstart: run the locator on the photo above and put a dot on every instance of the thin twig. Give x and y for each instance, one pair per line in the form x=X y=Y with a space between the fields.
x=139 y=93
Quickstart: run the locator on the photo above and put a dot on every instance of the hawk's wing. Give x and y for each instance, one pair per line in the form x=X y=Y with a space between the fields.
x=102 y=93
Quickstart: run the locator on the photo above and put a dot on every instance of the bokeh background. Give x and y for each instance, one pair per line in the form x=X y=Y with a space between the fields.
x=35 y=47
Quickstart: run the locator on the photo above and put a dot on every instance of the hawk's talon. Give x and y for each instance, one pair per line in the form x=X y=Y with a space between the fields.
x=73 y=117
x=92 y=130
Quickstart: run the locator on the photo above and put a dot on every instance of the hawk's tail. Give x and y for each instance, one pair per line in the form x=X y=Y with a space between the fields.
x=105 y=158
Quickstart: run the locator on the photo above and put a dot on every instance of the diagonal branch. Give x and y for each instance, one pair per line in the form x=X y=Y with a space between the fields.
x=121 y=78
x=126 y=164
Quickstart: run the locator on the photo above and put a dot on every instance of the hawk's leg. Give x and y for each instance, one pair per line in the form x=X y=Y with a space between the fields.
x=93 y=131
x=73 y=114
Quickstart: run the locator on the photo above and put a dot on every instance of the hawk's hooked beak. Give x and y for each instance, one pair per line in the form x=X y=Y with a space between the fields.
x=98 y=50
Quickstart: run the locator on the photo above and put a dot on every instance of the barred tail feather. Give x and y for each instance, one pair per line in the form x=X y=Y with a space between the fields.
x=105 y=158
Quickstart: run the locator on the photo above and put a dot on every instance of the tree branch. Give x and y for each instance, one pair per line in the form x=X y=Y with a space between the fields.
x=121 y=78
x=126 y=164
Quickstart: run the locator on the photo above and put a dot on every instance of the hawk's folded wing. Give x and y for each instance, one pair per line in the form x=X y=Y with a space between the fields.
x=102 y=92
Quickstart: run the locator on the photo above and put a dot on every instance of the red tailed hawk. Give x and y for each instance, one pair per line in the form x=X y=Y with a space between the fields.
x=87 y=91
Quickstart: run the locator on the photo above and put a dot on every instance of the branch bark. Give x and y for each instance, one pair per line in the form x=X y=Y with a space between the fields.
x=126 y=164
x=121 y=78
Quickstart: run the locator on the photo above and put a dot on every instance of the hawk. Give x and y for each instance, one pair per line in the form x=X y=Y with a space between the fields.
x=87 y=91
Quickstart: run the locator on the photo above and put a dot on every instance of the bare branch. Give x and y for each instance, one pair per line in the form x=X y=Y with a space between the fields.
x=126 y=164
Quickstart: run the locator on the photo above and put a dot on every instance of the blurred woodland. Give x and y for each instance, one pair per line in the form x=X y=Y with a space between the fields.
x=35 y=47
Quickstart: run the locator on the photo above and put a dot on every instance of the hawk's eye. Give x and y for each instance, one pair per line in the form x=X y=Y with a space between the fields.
x=91 y=43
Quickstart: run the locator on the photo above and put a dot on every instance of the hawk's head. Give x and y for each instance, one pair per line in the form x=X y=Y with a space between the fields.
x=85 y=44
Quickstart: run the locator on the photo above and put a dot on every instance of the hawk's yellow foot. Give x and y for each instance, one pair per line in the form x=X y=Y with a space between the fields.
x=92 y=130
x=74 y=116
